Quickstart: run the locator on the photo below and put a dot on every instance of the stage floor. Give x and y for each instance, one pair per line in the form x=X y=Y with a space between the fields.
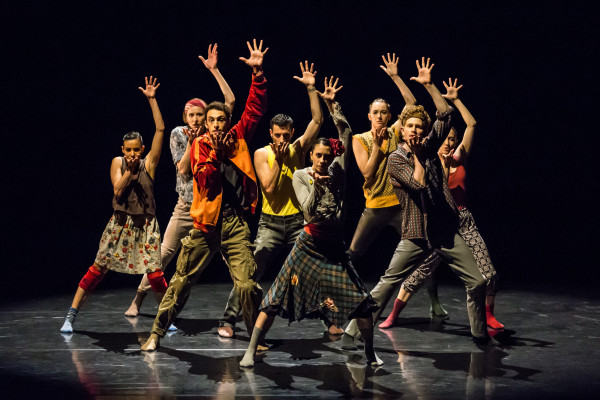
x=550 y=349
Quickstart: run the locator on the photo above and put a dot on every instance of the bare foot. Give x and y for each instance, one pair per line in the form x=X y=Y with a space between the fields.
x=225 y=331
x=152 y=343
x=334 y=330
x=136 y=304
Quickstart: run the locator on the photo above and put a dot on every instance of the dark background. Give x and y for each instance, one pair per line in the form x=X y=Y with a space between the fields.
x=69 y=93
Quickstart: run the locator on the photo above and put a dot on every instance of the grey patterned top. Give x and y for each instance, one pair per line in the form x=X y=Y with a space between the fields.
x=322 y=204
x=184 y=185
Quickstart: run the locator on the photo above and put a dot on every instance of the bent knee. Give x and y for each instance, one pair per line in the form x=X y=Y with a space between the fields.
x=103 y=269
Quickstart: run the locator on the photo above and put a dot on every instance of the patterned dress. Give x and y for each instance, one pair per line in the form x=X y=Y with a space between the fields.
x=317 y=279
x=130 y=242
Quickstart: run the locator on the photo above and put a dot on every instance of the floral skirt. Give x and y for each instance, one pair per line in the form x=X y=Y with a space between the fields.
x=318 y=280
x=130 y=244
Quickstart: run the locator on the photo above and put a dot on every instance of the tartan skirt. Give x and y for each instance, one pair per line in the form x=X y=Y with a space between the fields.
x=130 y=244
x=318 y=280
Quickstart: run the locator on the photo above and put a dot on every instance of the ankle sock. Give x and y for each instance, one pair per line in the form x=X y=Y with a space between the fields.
x=391 y=319
x=257 y=337
x=69 y=319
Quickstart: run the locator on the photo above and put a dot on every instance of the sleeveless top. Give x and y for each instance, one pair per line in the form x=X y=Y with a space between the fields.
x=457 y=186
x=283 y=201
x=138 y=197
x=379 y=193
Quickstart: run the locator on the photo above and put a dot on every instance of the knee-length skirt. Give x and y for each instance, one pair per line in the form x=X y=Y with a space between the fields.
x=318 y=280
x=130 y=244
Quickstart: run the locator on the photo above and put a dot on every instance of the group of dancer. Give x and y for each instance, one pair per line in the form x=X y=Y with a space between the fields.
x=414 y=181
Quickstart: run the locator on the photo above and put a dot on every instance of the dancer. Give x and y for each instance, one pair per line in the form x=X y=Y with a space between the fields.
x=318 y=279
x=182 y=137
x=281 y=220
x=372 y=150
x=131 y=241
x=430 y=217
x=224 y=185
x=454 y=160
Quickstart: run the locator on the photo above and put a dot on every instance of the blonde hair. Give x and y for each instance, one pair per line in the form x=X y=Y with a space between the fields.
x=411 y=111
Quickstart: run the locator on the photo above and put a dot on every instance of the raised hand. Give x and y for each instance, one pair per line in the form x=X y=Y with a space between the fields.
x=308 y=76
x=210 y=61
x=330 y=89
x=424 y=68
x=391 y=64
x=279 y=150
x=451 y=89
x=151 y=86
x=192 y=134
x=256 y=55
x=318 y=178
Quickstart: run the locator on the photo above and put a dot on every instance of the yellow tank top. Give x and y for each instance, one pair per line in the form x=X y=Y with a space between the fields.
x=283 y=201
x=379 y=193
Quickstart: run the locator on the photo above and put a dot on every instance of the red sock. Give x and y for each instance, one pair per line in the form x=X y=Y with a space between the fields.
x=157 y=281
x=492 y=322
x=91 y=279
x=391 y=319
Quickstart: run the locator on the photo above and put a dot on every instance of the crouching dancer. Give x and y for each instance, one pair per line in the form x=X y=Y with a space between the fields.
x=131 y=241
x=224 y=185
x=318 y=279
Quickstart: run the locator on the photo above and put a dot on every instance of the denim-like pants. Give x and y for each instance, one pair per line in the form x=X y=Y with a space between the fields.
x=275 y=233
x=232 y=239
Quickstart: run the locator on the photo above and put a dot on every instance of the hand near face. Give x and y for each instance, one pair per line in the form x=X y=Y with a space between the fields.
x=451 y=89
x=192 y=134
x=379 y=136
x=220 y=140
x=279 y=150
x=256 y=55
x=132 y=165
x=318 y=178
x=424 y=68
x=150 y=88
x=330 y=89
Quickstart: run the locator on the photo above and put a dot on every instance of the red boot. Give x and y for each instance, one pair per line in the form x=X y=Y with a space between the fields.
x=391 y=319
x=492 y=322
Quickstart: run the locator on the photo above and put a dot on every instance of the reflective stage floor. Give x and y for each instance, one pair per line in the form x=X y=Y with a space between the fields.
x=549 y=350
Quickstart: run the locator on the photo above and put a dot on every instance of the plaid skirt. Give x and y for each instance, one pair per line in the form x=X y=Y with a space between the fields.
x=317 y=280
x=130 y=244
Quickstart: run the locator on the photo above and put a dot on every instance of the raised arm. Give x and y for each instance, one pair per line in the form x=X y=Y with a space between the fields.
x=210 y=62
x=464 y=148
x=390 y=67
x=157 y=141
x=304 y=142
x=256 y=103
x=424 y=78
x=340 y=121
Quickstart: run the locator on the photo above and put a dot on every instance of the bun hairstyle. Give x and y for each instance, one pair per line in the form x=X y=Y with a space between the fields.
x=133 y=135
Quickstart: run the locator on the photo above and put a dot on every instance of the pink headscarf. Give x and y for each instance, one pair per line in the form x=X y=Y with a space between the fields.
x=194 y=103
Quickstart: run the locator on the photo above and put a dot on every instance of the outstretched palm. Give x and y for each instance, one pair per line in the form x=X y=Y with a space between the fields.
x=330 y=89
x=151 y=86
x=210 y=61
x=451 y=89
x=308 y=74
x=391 y=64
x=256 y=54
x=424 y=68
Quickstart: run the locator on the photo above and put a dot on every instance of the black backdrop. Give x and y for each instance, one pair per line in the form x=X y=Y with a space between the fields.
x=69 y=92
